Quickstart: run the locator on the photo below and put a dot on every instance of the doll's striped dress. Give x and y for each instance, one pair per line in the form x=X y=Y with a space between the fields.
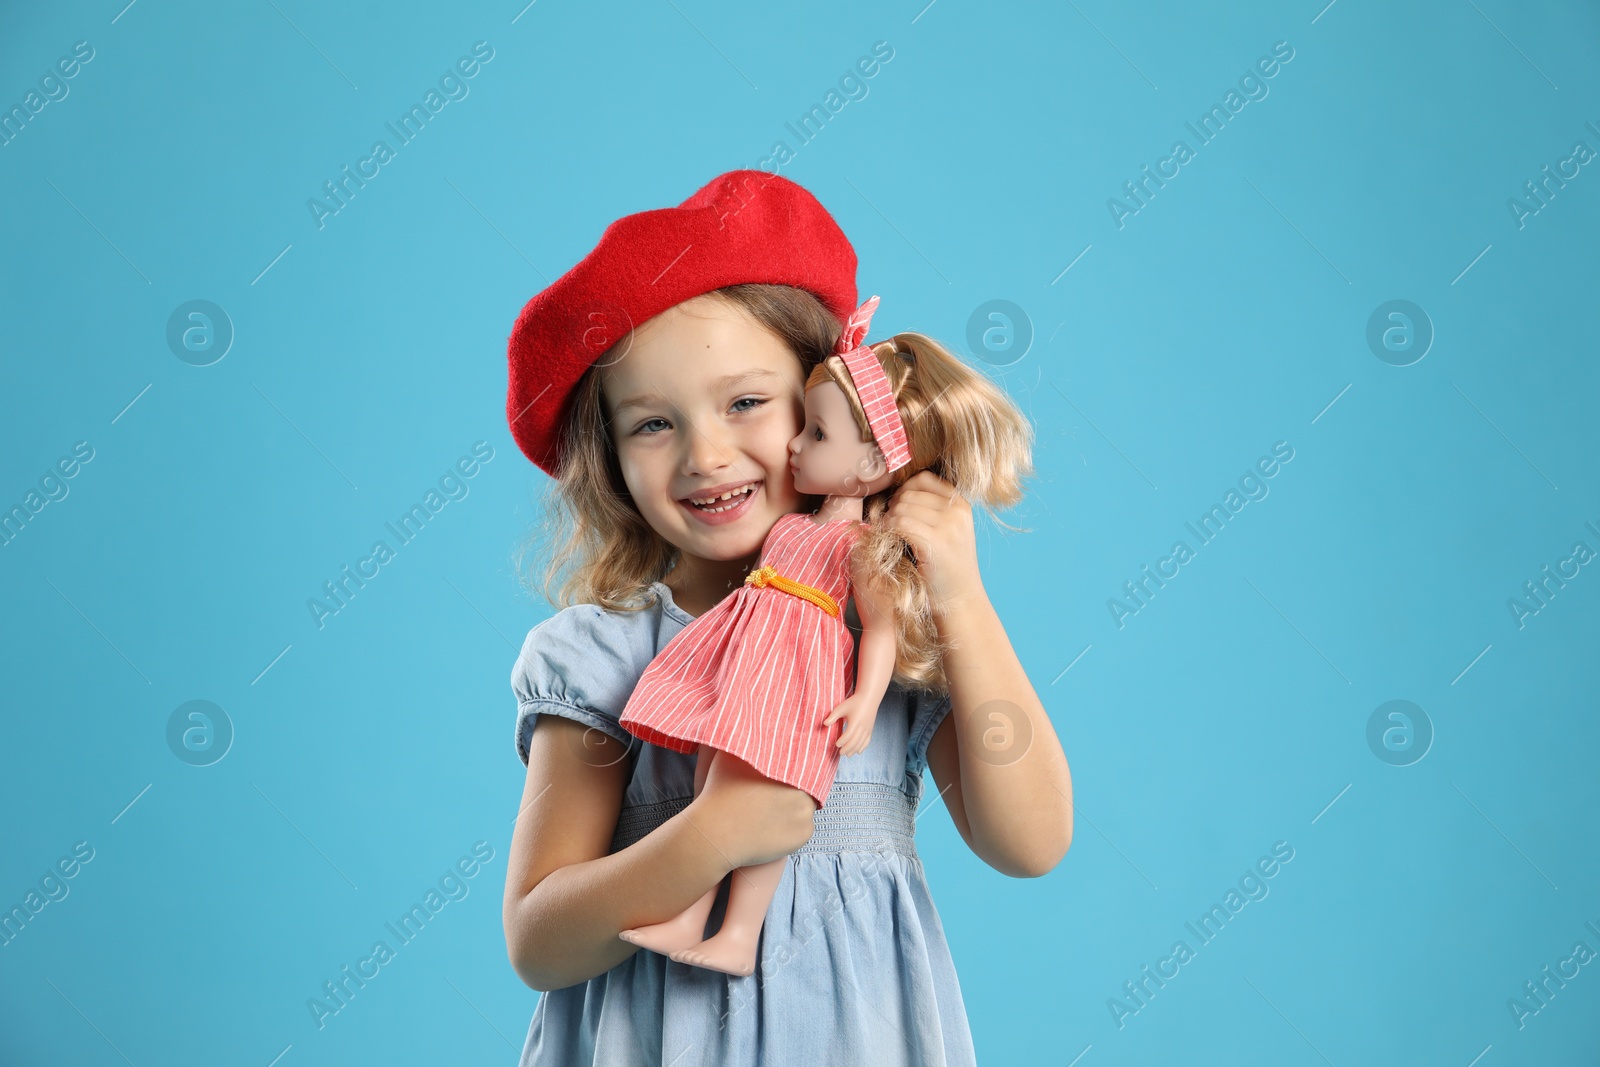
x=756 y=675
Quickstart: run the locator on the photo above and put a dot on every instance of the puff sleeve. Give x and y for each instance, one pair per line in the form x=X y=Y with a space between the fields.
x=581 y=664
x=928 y=710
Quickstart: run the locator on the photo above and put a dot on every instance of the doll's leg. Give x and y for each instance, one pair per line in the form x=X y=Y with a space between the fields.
x=689 y=926
x=733 y=949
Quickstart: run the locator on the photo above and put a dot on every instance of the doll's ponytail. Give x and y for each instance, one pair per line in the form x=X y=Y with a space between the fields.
x=963 y=428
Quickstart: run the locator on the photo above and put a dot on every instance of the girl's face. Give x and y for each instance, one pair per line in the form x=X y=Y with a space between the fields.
x=828 y=455
x=702 y=408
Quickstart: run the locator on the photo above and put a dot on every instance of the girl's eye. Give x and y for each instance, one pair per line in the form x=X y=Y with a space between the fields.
x=644 y=427
x=751 y=400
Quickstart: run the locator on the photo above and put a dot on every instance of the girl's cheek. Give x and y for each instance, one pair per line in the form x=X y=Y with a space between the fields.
x=631 y=473
x=797 y=416
x=790 y=428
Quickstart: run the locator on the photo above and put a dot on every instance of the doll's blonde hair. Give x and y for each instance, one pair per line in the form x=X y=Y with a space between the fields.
x=963 y=428
x=596 y=546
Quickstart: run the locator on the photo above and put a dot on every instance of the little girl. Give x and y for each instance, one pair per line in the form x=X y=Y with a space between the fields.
x=660 y=381
x=765 y=673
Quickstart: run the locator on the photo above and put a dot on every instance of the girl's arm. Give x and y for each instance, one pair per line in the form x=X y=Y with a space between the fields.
x=1014 y=811
x=567 y=900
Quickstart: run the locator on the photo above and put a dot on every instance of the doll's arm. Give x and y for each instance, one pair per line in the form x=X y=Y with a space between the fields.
x=874 y=667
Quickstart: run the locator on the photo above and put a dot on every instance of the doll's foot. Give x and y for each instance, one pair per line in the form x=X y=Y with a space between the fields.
x=687 y=929
x=730 y=951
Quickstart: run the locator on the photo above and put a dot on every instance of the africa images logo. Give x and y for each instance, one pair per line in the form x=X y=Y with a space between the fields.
x=1141 y=591
x=452 y=86
x=454 y=484
x=1139 y=992
x=1253 y=87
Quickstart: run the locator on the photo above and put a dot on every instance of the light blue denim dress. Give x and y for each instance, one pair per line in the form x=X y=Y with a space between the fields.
x=854 y=967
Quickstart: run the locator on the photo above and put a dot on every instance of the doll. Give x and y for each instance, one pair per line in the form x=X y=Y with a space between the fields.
x=767 y=672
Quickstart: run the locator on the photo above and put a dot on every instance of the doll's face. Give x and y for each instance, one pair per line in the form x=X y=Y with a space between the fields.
x=703 y=404
x=828 y=456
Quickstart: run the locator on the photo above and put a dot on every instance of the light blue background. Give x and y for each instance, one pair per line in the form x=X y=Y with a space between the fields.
x=1227 y=315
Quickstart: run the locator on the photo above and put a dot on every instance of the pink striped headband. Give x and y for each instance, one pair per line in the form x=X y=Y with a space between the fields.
x=872 y=386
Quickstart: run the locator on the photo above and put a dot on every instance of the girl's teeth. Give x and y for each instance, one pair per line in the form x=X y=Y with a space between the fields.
x=725 y=507
x=733 y=497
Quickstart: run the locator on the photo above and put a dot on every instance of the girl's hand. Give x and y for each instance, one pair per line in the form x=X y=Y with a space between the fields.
x=859 y=715
x=937 y=521
x=748 y=817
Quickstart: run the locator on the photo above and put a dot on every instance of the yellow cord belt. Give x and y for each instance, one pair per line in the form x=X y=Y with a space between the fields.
x=765 y=576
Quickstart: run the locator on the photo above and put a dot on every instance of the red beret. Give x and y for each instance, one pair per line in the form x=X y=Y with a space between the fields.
x=741 y=227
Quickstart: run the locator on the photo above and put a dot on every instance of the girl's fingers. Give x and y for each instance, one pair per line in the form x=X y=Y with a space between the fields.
x=928 y=482
x=927 y=509
x=935 y=488
x=931 y=501
x=931 y=512
x=917 y=532
x=912 y=513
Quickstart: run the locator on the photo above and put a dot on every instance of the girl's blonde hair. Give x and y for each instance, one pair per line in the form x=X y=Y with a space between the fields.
x=963 y=428
x=597 y=547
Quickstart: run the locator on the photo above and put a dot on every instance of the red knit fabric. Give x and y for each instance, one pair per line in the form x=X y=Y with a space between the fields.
x=743 y=226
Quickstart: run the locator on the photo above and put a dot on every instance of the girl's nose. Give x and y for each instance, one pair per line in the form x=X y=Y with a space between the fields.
x=705 y=452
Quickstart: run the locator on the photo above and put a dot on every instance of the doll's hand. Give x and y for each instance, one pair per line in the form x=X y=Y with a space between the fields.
x=937 y=522
x=859 y=715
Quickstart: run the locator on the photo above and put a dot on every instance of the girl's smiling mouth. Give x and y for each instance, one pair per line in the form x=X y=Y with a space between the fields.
x=721 y=503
